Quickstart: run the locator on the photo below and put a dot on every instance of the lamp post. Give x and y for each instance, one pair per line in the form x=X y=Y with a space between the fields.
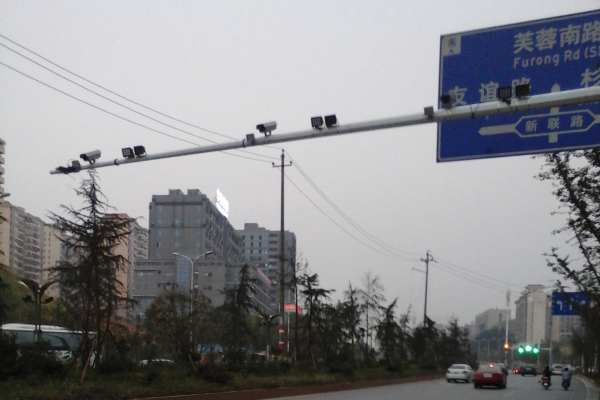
x=268 y=323
x=38 y=293
x=192 y=261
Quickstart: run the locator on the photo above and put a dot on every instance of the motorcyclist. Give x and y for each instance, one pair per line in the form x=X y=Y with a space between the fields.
x=566 y=375
x=547 y=374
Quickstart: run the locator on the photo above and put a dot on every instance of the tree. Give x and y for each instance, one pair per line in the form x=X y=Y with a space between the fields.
x=177 y=329
x=314 y=297
x=89 y=279
x=388 y=334
x=372 y=297
x=351 y=317
x=454 y=346
x=575 y=177
x=235 y=328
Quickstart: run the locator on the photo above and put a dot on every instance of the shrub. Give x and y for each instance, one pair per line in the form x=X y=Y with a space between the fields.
x=215 y=373
x=8 y=354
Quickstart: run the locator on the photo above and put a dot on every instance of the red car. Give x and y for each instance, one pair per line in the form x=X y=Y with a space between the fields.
x=490 y=375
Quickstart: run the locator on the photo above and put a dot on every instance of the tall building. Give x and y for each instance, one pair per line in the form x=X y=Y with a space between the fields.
x=190 y=224
x=564 y=326
x=261 y=247
x=211 y=277
x=134 y=247
x=492 y=318
x=30 y=245
x=533 y=315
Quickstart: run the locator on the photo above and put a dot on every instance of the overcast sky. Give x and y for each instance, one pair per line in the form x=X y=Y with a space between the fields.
x=226 y=66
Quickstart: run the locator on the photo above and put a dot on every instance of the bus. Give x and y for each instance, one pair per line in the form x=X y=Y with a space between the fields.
x=62 y=341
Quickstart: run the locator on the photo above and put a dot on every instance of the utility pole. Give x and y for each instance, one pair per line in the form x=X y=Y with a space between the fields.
x=282 y=255
x=506 y=333
x=426 y=260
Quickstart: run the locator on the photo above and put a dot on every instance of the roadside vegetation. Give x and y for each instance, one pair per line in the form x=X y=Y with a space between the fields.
x=575 y=177
x=362 y=337
x=188 y=345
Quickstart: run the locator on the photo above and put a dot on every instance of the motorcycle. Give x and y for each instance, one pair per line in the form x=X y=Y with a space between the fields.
x=566 y=383
x=546 y=382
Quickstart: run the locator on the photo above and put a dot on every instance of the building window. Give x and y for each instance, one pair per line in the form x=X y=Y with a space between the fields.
x=260 y=237
x=159 y=208
x=198 y=208
x=251 y=237
x=208 y=274
x=159 y=220
x=177 y=244
x=144 y=273
x=177 y=221
x=177 y=232
x=197 y=221
x=157 y=244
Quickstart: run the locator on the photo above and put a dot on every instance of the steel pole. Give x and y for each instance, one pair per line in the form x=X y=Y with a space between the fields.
x=481 y=110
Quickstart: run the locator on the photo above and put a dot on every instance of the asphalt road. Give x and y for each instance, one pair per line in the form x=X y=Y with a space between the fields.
x=518 y=387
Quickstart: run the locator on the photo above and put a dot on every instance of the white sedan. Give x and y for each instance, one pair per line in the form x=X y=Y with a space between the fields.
x=460 y=372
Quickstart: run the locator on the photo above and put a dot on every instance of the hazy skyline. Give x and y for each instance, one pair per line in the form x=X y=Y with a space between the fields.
x=226 y=66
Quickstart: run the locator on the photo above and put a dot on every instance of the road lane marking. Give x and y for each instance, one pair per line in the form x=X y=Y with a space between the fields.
x=509 y=394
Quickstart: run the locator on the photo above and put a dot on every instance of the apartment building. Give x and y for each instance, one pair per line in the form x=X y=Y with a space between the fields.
x=533 y=313
x=191 y=225
x=262 y=247
x=30 y=246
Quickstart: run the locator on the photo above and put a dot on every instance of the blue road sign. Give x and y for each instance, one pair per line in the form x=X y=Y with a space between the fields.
x=563 y=304
x=554 y=54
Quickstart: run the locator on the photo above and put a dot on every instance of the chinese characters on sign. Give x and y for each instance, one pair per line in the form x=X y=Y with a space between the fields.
x=555 y=54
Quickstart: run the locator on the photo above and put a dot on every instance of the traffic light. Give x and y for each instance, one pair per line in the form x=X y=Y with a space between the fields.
x=506 y=346
x=527 y=349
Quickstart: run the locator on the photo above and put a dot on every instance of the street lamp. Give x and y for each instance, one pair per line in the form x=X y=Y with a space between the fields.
x=38 y=293
x=192 y=261
x=268 y=322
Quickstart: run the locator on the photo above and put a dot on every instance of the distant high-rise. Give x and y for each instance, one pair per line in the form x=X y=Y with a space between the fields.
x=30 y=246
x=190 y=224
x=533 y=315
x=492 y=318
x=261 y=247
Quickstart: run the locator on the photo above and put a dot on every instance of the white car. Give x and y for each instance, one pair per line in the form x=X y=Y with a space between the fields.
x=460 y=372
x=557 y=369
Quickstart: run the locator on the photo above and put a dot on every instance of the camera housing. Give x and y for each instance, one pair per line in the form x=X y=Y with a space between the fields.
x=267 y=127
x=91 y=156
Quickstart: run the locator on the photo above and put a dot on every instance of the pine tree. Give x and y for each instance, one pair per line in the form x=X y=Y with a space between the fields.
x=89 y=280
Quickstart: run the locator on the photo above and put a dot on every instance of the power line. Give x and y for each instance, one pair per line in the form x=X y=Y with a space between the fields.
x=110 y=91
x=343 y=229
x=475 y=279
x=124 y=106
x=118 y=116
x=479 y=274
x=364 y=232
x=460 y=274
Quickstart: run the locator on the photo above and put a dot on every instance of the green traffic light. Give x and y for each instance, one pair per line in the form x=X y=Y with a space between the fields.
x=528 y=348
x=521 y=349
x=536 y=350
